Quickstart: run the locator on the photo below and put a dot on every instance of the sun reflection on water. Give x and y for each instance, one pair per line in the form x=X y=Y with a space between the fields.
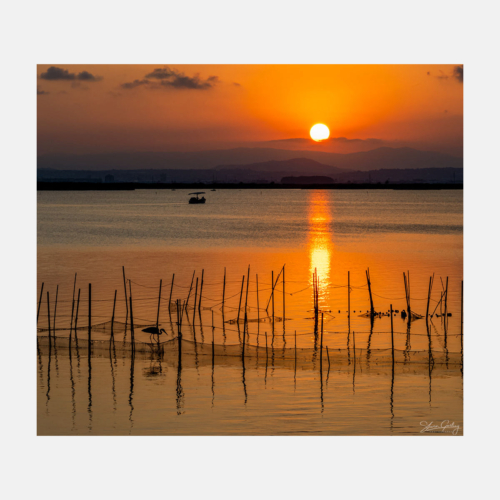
x=320 y=245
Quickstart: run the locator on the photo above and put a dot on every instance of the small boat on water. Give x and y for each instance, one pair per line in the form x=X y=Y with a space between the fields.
x=197 y=200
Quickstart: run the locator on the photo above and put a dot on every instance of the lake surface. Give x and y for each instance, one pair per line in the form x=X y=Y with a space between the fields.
x=291 y=389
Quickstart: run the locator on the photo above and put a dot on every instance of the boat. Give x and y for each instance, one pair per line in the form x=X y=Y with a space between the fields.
x=197 y=200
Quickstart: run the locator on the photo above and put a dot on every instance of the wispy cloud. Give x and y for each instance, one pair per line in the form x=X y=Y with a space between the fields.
x=134 y=84
x=54 y=73
x=171 y=78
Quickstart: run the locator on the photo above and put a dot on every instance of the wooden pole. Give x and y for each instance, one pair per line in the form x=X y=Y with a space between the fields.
x=48 y=312
x=76 y=315
x=392 y=337
x=90 y=320
x=446 y=300
x=258 y=309
x=321 y=343
x=171 y=288
x=283 y=298
x=190 y=288
x=272 y=296
x=372 y=309
x=132 y=333
x=55 y=311
x=201 y=289
x=125 y=288
x=409 y=295
x=406 y=289
x=158 y=313
x=428 y=298
x=213 y=341
x=39 y=304
x=178 y=317
x=349 y=300
x=246 y=296
x=241 y=295
x=195 y=297
x=224 y=290
x=462 y=311
x=113 y=317
x=321 y=346
x=72 y=307
x=179 y=333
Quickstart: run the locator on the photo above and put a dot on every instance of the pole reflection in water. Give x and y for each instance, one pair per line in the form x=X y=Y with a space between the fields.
x=73 y=402
x=243 y=376
x=354 y=362
x=112 y=354
x=89 y=406
x=48 y=372
x=179 y=394
x=131 y=394
x=431 y=363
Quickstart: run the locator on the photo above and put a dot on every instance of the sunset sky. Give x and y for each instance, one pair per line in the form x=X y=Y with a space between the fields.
x=113 y=108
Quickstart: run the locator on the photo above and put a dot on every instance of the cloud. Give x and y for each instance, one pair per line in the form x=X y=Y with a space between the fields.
x=39 y=91
x=170 y=78
x=236 y=84
x=161 y=73
x=88 y=77
x=181 y=81
x=55 y=73
x=134 y=84
x=458 y=73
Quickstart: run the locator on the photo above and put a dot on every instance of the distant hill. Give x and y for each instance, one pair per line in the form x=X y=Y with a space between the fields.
x=391 y=176
x=385 y=157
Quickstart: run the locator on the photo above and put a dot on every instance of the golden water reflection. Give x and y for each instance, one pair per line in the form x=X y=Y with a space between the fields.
x=320 y=245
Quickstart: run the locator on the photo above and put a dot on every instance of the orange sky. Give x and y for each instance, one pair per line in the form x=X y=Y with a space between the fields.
x=78 y=112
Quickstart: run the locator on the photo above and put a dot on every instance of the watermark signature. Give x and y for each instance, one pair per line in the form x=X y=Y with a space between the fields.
x=445 y=427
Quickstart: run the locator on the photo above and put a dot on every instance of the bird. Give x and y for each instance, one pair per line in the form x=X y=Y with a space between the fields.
x=153 y=330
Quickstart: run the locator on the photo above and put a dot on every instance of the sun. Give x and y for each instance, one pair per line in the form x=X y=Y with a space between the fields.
x=319 y=132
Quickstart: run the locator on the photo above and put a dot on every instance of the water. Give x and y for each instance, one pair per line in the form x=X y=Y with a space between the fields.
x=155 y=234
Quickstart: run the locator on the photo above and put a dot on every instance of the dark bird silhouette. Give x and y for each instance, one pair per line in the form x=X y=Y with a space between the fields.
x=153 y=330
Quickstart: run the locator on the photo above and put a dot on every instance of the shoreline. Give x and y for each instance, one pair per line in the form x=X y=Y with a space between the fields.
x=131 y=186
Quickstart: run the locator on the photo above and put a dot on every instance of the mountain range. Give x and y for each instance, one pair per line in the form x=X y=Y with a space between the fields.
x=257 y=159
